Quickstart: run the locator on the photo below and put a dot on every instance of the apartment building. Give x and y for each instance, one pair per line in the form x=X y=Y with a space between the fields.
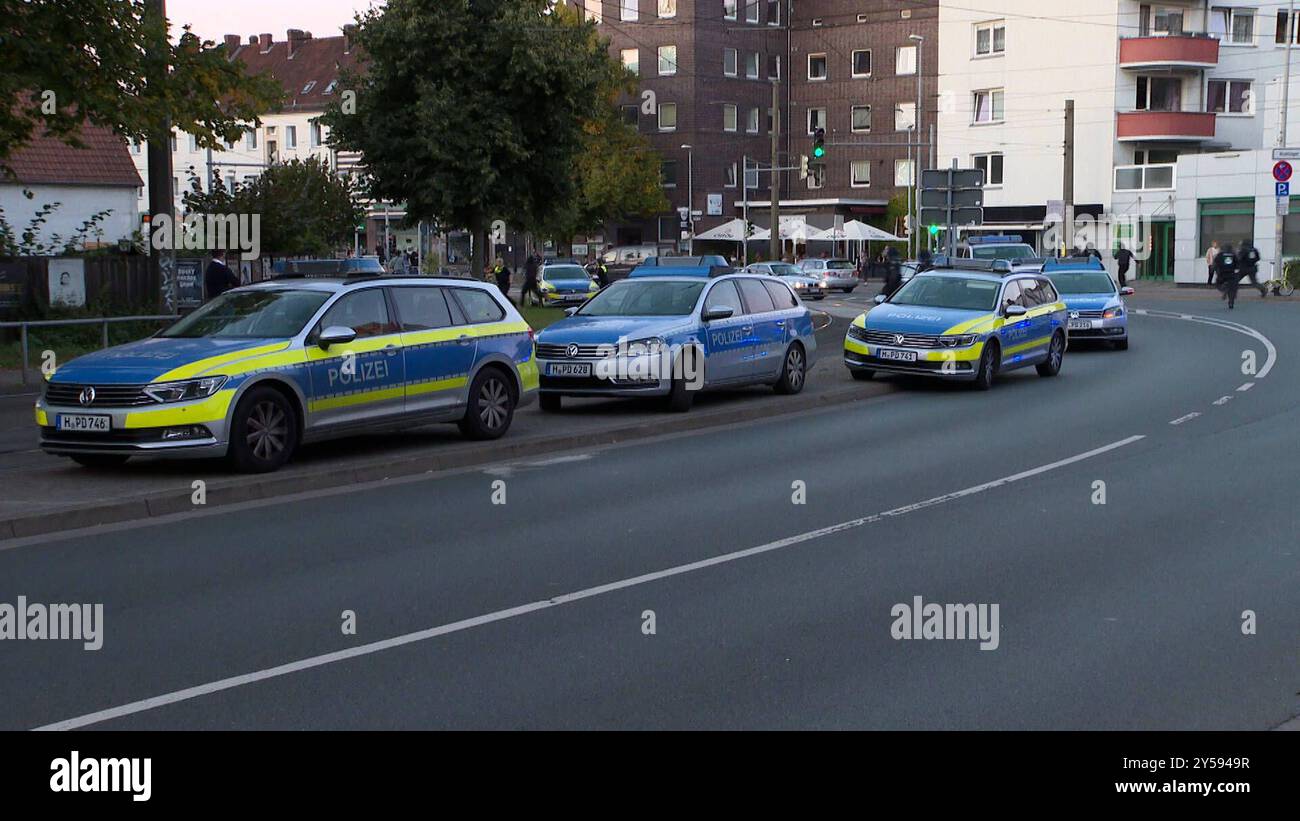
x=1157 y=88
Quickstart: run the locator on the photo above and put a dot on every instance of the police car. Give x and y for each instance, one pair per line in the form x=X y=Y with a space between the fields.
x=261 y=369
x=965 y=320
x=566 y=283
x=998 y=246
x=1095 y=303
x=673 y=330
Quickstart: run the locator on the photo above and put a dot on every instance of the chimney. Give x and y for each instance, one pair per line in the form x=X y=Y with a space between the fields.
x=296 y=38
x=232 y=42
x=349 y=37
x=264 y=40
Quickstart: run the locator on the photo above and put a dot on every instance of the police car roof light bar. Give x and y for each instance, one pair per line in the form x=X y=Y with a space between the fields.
x=988 y=266
x=1085 y=263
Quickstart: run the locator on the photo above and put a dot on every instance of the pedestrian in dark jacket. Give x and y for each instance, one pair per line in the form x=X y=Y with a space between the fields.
x=1123 y=259
x=893 y=273
x=218 y=278
x=532 y=267
x=502 y=275
x=1248 y=266
x=1227 y=271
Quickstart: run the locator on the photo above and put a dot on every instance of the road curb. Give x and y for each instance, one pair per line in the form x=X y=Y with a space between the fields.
x=220 y=495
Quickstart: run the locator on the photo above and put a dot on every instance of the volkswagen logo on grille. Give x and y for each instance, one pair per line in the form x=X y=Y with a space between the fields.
x=898 y=339
x=573 y=351
x=87 y=396
x=1074 y=314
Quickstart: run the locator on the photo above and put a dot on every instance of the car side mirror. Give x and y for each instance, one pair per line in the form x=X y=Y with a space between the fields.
x=570 y=311
x=1014 y=311
x=1126 y=291
x=880 y=299
x=720 y=312
x=335 y=335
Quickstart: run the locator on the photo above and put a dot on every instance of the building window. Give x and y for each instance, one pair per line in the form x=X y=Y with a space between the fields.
x=135 y=147
x=816 y=119
x=594 y=10
x=991 y=165
x=194 y=143
x=291 y=136
x=751 y=65
x=173 y=143
x=668 y=173
x=990 y=39
x=729 y=9
x=903 y=176
x=1159 y=94
x=860 y=119
x=729 y=58
x=667 y=60
x=988 y=106
x=774 y=12
x=816 y=176
x=861 y=173
x=668 y=116
x=771 y=121
x=751 y=123
x=250 y=139
x=632 y=115
x=728 y=117
x=751 y=11
x=862 y=62
x=905 y=117
x=631 y=60
x=1279 y=36
x=905 y=60
x=730 y=181
x=631 y=11
x=816 y=66
x=774 y=67
x=1233 y=26
x=307 y=88
x=751 y=175
x=667 y=8
x=317 y=136
x=1229 y=97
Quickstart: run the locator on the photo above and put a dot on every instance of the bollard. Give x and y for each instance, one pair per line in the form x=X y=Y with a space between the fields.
x=23 y=334
x=105 y=333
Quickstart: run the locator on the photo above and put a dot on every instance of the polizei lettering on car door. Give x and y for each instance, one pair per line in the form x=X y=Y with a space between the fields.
x=727 y=338
x=360 y=374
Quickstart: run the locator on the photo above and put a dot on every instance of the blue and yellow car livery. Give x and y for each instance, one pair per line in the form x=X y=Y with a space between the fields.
x=962 y=320
x=566 y=284
x=263 y=368
x=690 y=328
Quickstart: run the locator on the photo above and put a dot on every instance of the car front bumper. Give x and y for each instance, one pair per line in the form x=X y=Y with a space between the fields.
x=959 y=364
x=1111 y=329
x=195 y=429
x=613 y=377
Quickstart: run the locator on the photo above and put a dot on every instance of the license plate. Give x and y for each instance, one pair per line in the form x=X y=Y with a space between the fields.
x=897 y=356
x=568 y=369
x=1080 y=325
x=82 y=423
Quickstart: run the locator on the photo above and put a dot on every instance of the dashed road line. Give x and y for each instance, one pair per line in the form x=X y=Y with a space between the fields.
x=1180 y=420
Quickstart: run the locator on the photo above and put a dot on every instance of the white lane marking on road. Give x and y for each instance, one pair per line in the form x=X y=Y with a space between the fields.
x=523 y=609
x=1189 y=417
x=1246 y=330
x=1246 y=386
x=1223 y=400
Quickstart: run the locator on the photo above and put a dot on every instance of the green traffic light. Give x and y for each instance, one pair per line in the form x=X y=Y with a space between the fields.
x=934 y=230
x=819 y=152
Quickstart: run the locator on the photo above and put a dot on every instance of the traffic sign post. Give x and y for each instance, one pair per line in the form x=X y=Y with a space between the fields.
x=1282 y=171
x=952 y=197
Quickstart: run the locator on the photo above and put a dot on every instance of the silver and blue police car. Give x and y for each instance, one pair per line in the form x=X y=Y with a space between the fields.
x=565 y=283
x=1095 y=303
x=261 y=369
x=965 y=320
x=672 y=330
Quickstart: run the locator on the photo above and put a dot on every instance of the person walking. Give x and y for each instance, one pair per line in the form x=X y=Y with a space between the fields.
x=1229 y=274
x=1123 y=259
x=532 y=293
x=218 y=278
x=502 y=275
x=893 y=273
x=1248 y=266
x=1210 y=257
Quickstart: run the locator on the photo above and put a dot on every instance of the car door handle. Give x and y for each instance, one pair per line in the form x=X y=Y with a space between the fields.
x=747 y=328
x=390 y=349
x=464 y=339
x=780 y=323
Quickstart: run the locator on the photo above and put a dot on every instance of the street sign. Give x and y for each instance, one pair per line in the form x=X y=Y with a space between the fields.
x=964 y=198
x=1284 y=189
x=1282 y=171
x=1286 y=153
x=951 y=197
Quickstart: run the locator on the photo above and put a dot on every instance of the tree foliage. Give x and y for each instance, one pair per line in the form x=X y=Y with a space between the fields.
x=474 y=110
x=63 y=63
x=306 y=208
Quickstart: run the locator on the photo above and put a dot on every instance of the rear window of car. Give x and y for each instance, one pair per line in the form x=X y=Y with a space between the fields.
x=478 y=306
x=782 y=296
x=839 y=265
x=421 y=308
x=756 y=296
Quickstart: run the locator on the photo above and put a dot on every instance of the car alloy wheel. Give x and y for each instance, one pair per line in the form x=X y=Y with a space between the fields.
x=268 y=430
x=792 y=374
x=493 y=404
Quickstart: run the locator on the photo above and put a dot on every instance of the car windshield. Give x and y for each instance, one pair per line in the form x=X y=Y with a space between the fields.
x=1001 y=252
x=839 y=265
x=1083 y=282
x=552 y=273
x=261 y=314
x=631 y=297
x=948 y=292
x=786 y=270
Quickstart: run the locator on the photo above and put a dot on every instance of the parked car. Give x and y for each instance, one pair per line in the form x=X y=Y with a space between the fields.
x=805 y=286
x=838 y=274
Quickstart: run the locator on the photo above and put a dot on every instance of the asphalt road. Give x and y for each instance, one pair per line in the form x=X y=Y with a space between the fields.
x=767 y=614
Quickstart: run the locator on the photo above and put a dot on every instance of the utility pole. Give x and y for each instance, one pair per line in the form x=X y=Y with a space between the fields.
x=162 y=264
x=1280 y=237
x=914 y=238
x=744 y=194
x=1067 y=184
x=774 y=242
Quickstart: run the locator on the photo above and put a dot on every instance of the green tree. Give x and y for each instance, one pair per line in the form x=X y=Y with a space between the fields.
x=66 y=63
x=306 y=208
x=470 y=111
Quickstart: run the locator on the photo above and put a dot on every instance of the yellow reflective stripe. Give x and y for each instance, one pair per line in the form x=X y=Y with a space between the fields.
x=212 y=409
x=42 y=419
x=969 y=325
x=356 y=399
x=1037 y=343
x=856 y=346
x=417 y=388
x=267 y=361
x=861 y=321
x=203 y=365
x=958 y=355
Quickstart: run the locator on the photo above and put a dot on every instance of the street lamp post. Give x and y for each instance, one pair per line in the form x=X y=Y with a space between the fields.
x=690 y=199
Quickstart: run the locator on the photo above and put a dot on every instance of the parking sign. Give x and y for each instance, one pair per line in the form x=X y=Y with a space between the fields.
x=1284 y=189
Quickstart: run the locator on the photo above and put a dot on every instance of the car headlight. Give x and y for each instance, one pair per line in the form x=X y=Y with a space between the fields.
x=1112 y=313
x=958 y=340
x=645 y=347
x=547 y=287
x=186 y=391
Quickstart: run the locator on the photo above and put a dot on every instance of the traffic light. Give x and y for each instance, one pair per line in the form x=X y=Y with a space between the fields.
x=803 y=167
x=934 y=230
x=819 y=144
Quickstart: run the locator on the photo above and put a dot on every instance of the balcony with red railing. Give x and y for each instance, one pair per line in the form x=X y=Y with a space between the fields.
x=1188 y=52
x=1164 y=126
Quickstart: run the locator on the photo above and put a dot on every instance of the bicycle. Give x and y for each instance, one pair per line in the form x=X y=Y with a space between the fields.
x=1286 y=285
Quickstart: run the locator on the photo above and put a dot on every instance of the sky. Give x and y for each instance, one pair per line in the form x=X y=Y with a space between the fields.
x=211 y=19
